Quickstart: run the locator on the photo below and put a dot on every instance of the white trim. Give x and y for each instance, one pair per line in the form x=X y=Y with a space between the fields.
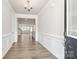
x=36 y=21
x=28 y=16
x=52 y=35
x=59 y=38
x=72 y=36
x=6 y=35
x=68 y=22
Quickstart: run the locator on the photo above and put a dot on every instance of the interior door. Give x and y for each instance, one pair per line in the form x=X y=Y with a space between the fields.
x=71 y=29
x=71 y=18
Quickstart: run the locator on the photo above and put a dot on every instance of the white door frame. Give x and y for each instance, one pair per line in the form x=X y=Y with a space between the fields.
x=27 y=16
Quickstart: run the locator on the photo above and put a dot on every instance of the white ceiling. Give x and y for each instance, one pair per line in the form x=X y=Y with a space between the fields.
x=18 y=6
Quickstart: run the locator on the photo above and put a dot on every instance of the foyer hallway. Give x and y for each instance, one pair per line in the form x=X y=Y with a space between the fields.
x=27 y=48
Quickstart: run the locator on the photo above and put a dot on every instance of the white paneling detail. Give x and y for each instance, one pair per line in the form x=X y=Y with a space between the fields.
x=55 y=44
x=51 y=27
x=7 y=41
x=8 y=27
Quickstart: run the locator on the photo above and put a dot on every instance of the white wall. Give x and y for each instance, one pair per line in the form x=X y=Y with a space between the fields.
x=51 y=27
x=8 y=26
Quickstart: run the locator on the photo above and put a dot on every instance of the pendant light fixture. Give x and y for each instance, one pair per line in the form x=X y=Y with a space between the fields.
x=28 y=5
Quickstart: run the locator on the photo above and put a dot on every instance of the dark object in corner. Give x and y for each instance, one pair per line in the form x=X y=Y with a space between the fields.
x=70 y=48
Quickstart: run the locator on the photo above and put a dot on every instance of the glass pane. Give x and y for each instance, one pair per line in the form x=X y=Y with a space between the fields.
x=72 y=17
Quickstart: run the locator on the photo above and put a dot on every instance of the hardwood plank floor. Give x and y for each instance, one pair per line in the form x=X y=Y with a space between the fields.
x=27 y=48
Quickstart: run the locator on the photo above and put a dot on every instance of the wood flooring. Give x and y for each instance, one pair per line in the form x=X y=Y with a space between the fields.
x=26 y=48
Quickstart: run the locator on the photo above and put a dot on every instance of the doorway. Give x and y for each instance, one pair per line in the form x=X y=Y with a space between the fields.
x=70 y=29
x=26 y=29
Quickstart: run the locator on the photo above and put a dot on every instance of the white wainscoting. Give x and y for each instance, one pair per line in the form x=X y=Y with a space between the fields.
x=7 y=41
x=55 y=44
